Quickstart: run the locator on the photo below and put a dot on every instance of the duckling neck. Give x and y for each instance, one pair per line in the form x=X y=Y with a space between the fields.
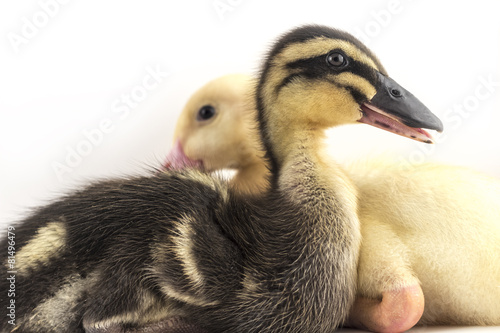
x=303 y=170
x=312 y=238
x=253 y=178
x=308 y=174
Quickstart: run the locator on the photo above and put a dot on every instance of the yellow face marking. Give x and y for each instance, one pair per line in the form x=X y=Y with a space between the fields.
x=321 y=45
x=308 y=106
x=352 y=80
x=47 y=242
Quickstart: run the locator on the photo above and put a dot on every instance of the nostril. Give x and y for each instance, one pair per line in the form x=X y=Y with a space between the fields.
x=395 y=92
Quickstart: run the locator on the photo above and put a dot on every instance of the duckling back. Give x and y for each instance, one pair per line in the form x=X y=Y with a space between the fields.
x=121 y=252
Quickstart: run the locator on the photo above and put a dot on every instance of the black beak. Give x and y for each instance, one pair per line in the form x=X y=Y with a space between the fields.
x=395 y=100
x=396 y=110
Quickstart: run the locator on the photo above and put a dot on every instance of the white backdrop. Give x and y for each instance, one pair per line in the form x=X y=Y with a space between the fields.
x=92 y=89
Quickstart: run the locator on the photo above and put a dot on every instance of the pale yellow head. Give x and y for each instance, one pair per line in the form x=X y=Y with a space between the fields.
x=215 y=126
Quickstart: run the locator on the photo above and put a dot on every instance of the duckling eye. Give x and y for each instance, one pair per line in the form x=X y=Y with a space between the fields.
x=336 y=59
x=205 y=112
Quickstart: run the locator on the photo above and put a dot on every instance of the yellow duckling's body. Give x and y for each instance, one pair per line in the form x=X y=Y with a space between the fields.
x=429 y=228
x=435 y=225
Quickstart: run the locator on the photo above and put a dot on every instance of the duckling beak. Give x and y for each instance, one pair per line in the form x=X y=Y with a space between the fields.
x=177 y=159
x=396 y=110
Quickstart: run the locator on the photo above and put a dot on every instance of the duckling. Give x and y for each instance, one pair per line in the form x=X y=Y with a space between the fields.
x=216 y=130
x=421 y=226
x=134 y=254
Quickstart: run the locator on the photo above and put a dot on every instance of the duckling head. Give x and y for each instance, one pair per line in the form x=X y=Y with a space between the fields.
x=214 y=123
x=319 y=77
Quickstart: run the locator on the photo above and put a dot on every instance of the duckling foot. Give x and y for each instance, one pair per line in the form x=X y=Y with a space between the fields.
x=398 y=311
x=169 y=325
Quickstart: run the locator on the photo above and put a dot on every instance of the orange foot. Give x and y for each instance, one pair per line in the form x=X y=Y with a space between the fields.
x=398 y=311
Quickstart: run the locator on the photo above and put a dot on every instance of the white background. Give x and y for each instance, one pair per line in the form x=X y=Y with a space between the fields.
x=65 y=67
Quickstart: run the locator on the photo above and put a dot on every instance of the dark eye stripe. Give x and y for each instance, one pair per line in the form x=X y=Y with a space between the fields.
x=358 y=96
x=318 y=64
x=316 y=68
